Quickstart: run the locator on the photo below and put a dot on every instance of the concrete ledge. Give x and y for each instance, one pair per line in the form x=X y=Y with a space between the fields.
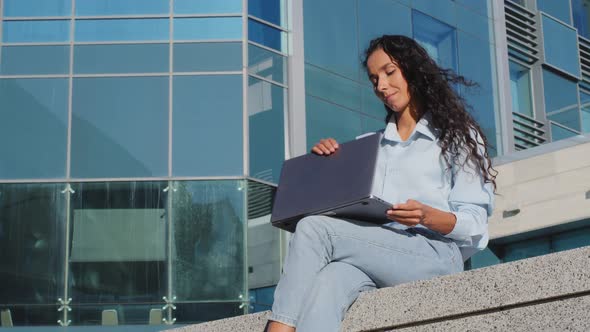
x=547 y=292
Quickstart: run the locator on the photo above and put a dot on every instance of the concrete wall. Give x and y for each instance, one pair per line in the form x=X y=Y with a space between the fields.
x=549 y=188
x=549 y=292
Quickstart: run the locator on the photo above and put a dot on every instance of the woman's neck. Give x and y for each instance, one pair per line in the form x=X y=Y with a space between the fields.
x=406 y=122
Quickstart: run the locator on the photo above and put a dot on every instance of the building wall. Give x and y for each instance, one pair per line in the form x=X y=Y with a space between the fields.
x=142 y=141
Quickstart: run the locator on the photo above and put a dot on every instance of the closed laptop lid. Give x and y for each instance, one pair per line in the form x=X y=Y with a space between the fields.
x=312 y=183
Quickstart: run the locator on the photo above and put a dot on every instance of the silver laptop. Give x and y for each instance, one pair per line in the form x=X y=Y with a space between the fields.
x=342 y=184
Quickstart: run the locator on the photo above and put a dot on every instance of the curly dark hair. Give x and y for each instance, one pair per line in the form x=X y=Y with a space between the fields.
x=430 y=86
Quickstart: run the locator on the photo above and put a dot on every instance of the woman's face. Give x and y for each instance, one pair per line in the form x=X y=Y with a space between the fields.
x=388 y=82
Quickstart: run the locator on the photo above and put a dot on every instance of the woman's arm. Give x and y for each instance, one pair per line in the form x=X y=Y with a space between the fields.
x=413 y=213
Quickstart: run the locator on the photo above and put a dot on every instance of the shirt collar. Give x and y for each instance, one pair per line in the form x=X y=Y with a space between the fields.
x=422 y=127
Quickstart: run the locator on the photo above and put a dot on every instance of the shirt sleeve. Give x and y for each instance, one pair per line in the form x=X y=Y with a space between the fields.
x=472 y=202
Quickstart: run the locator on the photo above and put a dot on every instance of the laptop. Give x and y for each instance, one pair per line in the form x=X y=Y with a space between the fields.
x=342 y=184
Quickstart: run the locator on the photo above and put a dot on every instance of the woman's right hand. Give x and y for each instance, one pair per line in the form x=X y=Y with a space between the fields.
x=326 y=147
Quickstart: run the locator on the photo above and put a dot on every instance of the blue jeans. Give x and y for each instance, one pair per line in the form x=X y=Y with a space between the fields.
x=330 y=261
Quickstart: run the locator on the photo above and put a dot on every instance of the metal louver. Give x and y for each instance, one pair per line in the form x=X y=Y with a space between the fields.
x=521 y=33
x=260 y=199
x=584 y=45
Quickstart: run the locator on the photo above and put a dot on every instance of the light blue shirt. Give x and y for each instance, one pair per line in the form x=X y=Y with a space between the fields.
x=415 y=169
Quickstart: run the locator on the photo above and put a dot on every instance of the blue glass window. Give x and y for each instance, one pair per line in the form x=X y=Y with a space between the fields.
x=380 y=18
x=273 y=11
x=266 y=108
x=267 y=64
x=561 y=99
x=208 y=226
x=124 y=118
x=474 y=23
x=520 y=89
x=207 y=7
x=34 y=119
x=121 y=7
x=323 y=21
x=320 y=122
x=32 y=248
x=585 y=109
x=207 y=126
x=439 y=39
x=266 y=35
x=480 y=6
x=35 y=60
x=121 y=58
x=581 y=16
x=443 y=10
x=36 y=31
x=369 y=124
x=29 y=8
x=122 y=30
x=561 y=46
x=559 y=132
x=527 y=249
x=207 y=28
x=558 y=9
x=476 y=64
x=331 y=87
x=117 y=229
x=192 y=57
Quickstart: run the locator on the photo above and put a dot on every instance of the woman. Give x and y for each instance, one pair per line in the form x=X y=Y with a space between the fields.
x=436 y=171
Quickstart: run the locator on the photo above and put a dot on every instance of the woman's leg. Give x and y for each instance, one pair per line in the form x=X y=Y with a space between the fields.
x=386 y=255
x=334 y=289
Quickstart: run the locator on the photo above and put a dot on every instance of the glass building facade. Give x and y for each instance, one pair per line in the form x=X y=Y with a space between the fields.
x=143 y=139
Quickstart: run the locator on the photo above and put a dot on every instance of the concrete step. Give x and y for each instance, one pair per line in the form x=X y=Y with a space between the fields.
x=546 y=293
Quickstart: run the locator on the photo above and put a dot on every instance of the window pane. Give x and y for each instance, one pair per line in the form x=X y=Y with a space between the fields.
x=213 y=104
x=264 y=240
x=369 y=124
x=581 y=14
x=121 y=58
x=473 y=23
x=207 y=7
x=560 y=44
x=13 y=8
x=266 y=106
x=561 y=100
x=559 y=133
x=382 y=17
x=121 y=7
x=570 y=240
x=207 y=57
x=261 y=299
x=118 y=242
x=585 y=108
x=125 y=118
x=35 y=60
x=484 y=258
x=323 y=21
x=34 y=119
x=334 y=88
x=36 y=31
x=557 y=9
x=208 y=233
x=320 y=122
x=526 y=249
x=481 y=6
x=126 y=314
x=273 y=11
x=443 y=10
x=520 y=89
x=122 y=30
x=437 y=38
x=34 y=315
x=206 y=28
x=267 y=64
x=32 y=244
x=266 y=35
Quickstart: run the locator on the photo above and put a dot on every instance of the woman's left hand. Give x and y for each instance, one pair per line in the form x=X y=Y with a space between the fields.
x=410 y=213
